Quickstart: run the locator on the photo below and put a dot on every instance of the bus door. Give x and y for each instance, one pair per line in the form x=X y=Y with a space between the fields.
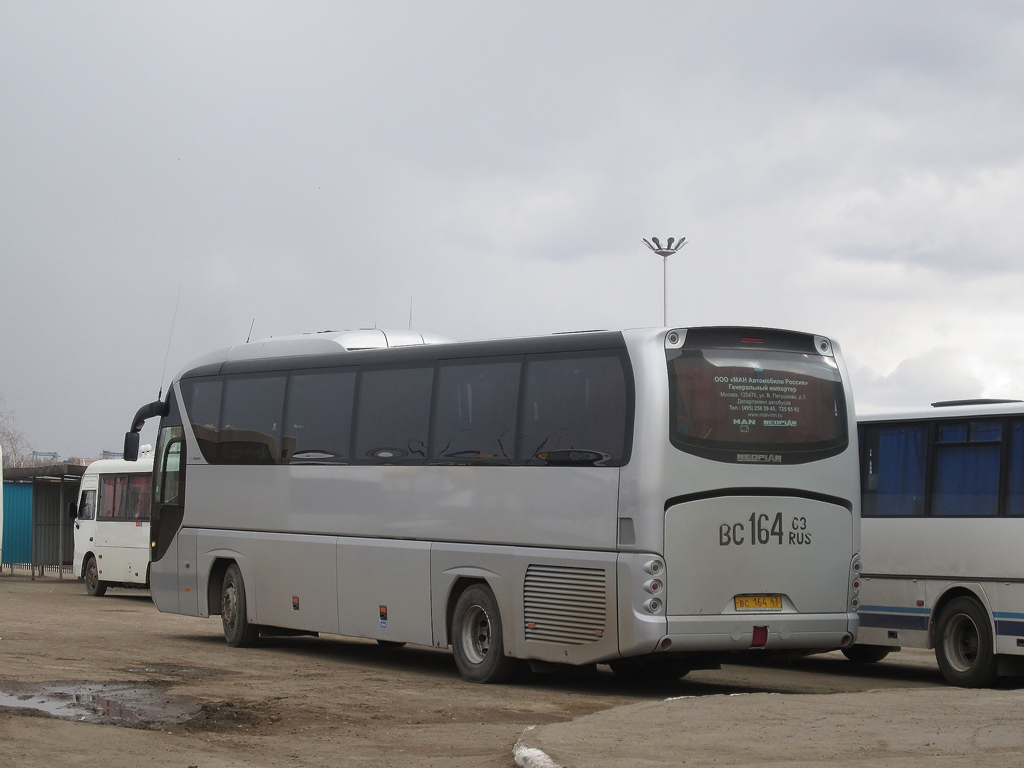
x=85 y=522
x=167 y=512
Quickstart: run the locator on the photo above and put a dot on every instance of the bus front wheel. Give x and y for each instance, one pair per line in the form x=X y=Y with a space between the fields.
x=93 y=585
x=963 y=644
x=477 y=640
x=234 y=616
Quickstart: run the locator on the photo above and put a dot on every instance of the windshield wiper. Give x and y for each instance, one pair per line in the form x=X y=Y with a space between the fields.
x=572 y=457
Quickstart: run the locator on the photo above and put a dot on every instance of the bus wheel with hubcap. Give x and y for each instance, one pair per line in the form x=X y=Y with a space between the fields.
x=866 y=654
x=93 y=585
x=234 y=616
x=477 y=640
x=649 y=671
x=963 y=644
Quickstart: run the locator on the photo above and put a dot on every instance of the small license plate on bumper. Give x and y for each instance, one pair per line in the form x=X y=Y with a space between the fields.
x=745 y=603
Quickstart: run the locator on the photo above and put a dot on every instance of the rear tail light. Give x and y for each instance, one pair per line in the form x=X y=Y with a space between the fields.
x=760 y=638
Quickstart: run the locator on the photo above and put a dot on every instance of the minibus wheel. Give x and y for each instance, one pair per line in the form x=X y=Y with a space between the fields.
x=93 y=585
x=477 y=640
x=963 y=644
x=234 y=616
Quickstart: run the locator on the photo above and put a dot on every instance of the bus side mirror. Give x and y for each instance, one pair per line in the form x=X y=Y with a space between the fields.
x=72 y=510
x=131 y=446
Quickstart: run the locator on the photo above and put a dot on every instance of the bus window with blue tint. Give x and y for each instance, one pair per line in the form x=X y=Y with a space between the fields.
x=1015 y=477
x=893 y=470
x=966 y=480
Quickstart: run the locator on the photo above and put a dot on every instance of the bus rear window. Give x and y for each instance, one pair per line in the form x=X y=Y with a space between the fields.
x=756 y=406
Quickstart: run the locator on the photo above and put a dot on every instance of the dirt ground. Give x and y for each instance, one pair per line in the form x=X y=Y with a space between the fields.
x=145 y=688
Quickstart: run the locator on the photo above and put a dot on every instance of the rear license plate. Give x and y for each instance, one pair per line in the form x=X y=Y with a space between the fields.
x=758 y=602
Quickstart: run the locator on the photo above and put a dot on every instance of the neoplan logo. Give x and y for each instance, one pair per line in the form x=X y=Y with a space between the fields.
x=759 y=458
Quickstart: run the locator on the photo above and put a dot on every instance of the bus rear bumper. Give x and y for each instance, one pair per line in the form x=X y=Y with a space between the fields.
x=735 y=632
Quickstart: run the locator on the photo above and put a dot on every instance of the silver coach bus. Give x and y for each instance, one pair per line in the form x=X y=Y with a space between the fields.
x=653 y=499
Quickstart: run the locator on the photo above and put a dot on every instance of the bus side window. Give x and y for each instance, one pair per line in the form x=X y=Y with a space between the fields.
x=574 y=403
x=87 y=506
x=475 y=413
x=967 y=469
x=139 y=497
x=318 y=417
x=202 y=398
x=392 y=415
x=894 y=481
x=250 y=421
x=112 y=497
x=1015 y=484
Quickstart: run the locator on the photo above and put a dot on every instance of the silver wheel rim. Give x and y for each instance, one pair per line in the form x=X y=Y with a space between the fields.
x=229 y=605
x=476 y=634
x=92 y=576
x=961 y=643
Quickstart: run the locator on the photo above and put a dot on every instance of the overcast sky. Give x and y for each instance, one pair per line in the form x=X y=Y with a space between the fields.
x=850 y=169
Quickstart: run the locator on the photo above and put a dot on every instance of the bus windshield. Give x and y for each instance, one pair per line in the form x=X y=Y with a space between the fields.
x=759 y=405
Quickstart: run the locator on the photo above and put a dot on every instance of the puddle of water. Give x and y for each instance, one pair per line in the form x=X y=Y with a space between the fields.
x=97 y=703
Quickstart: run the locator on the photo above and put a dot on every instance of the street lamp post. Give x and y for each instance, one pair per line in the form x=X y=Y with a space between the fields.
x=665 y=251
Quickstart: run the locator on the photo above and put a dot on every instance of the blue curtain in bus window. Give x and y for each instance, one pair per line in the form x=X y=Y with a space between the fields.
x=902 y=453
x=966 y=480
x=1015 y=484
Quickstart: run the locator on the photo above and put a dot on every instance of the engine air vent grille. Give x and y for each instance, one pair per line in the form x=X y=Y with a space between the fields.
x=564 y=604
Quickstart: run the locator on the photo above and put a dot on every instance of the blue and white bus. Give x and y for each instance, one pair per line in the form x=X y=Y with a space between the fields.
x=653 y=499
x=943 y=503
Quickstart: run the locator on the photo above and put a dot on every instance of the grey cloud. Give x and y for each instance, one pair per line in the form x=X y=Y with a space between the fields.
x=315 y=165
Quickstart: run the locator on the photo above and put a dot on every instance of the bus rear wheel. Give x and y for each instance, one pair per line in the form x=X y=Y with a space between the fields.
x=93 y=585
x=866 y=654
x=477 y=640
x=963 y=644
x=234 y=616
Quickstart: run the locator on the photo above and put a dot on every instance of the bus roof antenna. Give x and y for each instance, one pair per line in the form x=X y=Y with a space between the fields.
x=160 y=392
x=250 y=330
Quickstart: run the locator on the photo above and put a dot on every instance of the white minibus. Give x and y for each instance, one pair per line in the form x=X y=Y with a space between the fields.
x=111 y=522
